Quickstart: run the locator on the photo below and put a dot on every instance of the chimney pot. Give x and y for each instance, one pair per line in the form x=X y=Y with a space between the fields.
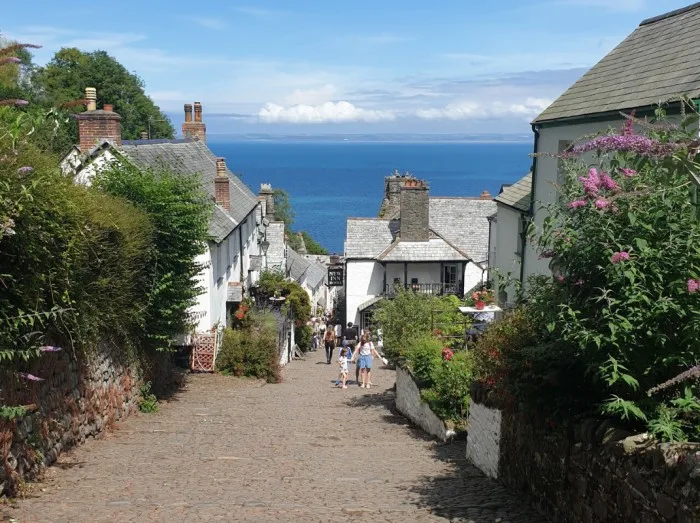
x=108 y=107
x=197 y=112
x=188 y=112
x=196 y=128
x=91 y=97
x=221 y=167
x=485 y=195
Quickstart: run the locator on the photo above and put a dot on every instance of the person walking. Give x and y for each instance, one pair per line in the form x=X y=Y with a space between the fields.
x=365 y=353
x=329 y=344
x=338 y=330
x=343 y=364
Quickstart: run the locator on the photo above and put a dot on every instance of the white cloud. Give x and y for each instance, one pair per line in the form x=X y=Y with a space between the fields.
x=209 y=22
x=329 y=112
x=314 y=96
x=471 y=110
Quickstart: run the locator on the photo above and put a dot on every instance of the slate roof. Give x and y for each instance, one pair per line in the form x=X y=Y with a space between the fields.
x=302 y=270
x=435 y=249
x=656 y=63
x=460 y=222
x=518 y=194
x=189 y=156
x=275 y=252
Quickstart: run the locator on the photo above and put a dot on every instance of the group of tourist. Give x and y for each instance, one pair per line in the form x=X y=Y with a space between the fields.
x=354 y=348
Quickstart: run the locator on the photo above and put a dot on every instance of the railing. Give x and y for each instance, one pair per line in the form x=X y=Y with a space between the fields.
x=434 y=289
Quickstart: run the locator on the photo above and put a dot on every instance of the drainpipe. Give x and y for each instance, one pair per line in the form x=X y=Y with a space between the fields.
x=536 y=131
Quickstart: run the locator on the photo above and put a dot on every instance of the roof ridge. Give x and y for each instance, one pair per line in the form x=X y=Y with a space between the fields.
x=670 y=14
x=448 y=242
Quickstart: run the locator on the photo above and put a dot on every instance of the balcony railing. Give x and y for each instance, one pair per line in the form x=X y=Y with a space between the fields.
x=434 y=289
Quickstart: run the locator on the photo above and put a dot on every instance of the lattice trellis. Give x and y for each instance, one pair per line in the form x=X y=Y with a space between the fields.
x=204 y=351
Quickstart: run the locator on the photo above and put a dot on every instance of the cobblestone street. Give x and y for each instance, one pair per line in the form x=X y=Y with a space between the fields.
x=233 y=450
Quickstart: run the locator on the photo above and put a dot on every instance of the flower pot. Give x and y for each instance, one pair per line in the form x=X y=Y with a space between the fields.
x=480 y=305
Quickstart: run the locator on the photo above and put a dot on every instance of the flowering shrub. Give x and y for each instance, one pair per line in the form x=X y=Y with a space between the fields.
x=621 y=310
x=481 y=299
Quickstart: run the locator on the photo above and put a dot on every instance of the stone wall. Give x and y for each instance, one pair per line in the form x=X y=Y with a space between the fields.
x=410 y=404
x=483 y=438
x=77 y=398
x=594 y=473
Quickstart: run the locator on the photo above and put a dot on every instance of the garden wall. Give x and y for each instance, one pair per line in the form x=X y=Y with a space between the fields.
x=595 y=474
x=410 y=404
x=74 y=401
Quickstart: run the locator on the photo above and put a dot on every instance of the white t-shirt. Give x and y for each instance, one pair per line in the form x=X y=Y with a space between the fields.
x=343 y=360
x=366 y=349
x=338 y=330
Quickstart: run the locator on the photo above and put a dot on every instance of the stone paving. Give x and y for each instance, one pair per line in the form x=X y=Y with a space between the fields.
x=226 y=449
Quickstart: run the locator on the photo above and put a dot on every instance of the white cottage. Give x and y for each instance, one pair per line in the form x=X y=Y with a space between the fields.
x=431 y=245
x=234 y=256
x=657 y=63
x=507 y=237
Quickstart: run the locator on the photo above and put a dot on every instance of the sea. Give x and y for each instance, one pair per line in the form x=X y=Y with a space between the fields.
x=329 y=181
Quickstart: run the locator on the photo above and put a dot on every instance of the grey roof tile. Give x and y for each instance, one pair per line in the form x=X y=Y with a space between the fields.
x=518 y=194
x=275 y=252
x=462 y=222
x=435 y=249
x=304 y=271
x=220 y=224
x=658 y=62
x=189 y=156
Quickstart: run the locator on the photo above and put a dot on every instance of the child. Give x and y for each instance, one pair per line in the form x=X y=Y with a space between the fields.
x=343 y=363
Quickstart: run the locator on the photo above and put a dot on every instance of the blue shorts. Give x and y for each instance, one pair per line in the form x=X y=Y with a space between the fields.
x=365 y=362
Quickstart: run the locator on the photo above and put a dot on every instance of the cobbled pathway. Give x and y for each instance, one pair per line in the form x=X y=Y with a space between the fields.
x=226 y=449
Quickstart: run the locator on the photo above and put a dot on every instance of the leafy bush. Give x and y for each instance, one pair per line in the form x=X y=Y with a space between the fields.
x=410 y=316
x=449 y=395
x=423 y=357
x=252 y=350
x=148 y=402
x=620 y=312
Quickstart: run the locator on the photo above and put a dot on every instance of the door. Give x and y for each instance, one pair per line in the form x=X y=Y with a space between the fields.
x=449 y=279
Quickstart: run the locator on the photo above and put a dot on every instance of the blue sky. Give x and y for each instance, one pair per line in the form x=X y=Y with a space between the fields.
x=367 y=66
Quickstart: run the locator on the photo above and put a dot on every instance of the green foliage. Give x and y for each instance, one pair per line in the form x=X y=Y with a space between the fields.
x=423 y=358
x=411 y=315
x=252 y=350
x=179 y=211
x=312 y=246
x=620 y=314
x=148 y=402
x=66 y=76
x=449 y=395
x=11 y=413
x=283 y=208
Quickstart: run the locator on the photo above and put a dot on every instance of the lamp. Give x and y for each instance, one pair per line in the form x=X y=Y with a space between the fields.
x=264 y=245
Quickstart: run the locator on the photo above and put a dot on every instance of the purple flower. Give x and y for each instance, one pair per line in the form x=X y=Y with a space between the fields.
x=591 y=182
x=25 y=170
x=49 y=348
x=693 y=286
x=608 y=183
x=602 y=203
x=640 y=145
x=619 y=257
x=629 y=173
x=14 y=101
x=10 y=60
x=29 y=377
x=577 y=203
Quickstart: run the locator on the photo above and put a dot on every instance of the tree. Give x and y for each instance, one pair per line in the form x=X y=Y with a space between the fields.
x=66 y=76
x=284 y=212
x=312 y=246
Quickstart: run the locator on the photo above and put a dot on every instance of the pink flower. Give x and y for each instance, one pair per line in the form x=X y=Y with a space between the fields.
x=602 y=203
x=591 y=182
x=560 y=278
x=578 y=282
x=576 y=204
x=49 y=348
x=14 y=101
x=619 y=257
x=693 y=286
x=608 y=183
x=447 y=354
x=640 y=145
x=629 y=173
x=25 y=170
x=29 y=377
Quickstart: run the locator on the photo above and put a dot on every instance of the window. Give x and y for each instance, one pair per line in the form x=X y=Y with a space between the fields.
x=449 y=274
x=366 y=319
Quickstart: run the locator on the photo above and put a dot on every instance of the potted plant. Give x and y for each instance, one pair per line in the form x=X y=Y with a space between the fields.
x=481 y=299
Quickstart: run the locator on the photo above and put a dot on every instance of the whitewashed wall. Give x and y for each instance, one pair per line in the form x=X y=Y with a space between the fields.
x=484 y=438
x=473 y=275
x=506 y=260
x=365 y=279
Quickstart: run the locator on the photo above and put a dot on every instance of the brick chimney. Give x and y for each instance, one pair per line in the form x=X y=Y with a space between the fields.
x=196 y=128
x=414 y=211
x=221 y=185
x=95 y=126
x=485 y=195
x=267 y=196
